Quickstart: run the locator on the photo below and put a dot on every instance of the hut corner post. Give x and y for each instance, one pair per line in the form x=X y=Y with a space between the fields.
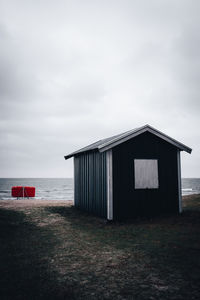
x=109 y=184
x=179 y=180
x=74 y=186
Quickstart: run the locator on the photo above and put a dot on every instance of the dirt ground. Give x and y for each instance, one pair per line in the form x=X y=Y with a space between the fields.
x=51 y=250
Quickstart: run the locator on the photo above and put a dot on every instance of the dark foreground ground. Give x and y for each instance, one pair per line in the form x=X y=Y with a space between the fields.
x=57 y=252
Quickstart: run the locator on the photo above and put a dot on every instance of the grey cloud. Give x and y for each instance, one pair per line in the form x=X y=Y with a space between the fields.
x=75 y=71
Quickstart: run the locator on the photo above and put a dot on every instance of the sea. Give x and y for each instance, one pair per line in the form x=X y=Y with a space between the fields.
x=45 y=188
x=63 y=188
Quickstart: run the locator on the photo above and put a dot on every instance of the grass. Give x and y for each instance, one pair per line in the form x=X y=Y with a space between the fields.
x=62 y=253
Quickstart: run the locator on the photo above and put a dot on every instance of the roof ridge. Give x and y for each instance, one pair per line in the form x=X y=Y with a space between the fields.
x=110 y=142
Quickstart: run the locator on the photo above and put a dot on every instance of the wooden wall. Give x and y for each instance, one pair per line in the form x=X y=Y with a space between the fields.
x=130 y=202
x=90 y=183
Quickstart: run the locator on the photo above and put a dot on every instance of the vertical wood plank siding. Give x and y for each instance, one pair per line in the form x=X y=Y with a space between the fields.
x=90 y=183
x=128 y=201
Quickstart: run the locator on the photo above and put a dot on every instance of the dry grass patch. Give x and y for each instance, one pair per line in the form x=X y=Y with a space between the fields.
x=61 y=253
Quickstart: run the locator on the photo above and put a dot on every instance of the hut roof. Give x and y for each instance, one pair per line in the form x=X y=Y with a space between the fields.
x=108 y=143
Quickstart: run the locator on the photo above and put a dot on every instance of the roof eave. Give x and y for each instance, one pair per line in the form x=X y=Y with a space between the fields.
x=68 y=156
x=146 y=128
x=174 y=142
x=79 y=153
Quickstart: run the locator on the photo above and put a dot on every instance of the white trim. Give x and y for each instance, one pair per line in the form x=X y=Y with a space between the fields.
x=179 y=180
x=121 y=138
x=118 y=141
x=109 y=174
x=170 y=140
x=74 y=179
x=141 y=130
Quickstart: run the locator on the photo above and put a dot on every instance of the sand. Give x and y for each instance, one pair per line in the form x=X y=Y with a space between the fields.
x=23 y=203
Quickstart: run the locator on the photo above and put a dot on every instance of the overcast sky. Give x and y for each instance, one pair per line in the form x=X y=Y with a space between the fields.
x=73 y=72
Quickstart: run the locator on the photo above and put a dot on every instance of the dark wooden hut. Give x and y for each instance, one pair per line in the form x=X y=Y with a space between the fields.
x=136 y=173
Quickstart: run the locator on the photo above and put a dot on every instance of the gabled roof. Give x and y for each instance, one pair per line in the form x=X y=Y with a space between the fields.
x=108 y=143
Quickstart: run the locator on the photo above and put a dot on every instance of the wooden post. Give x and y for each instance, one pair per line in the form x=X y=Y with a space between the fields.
x=179 y=181
x=109 y=185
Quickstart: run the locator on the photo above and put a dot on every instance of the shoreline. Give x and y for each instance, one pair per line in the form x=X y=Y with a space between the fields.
x=191 y=195
x=42 y=203
x=33 y=203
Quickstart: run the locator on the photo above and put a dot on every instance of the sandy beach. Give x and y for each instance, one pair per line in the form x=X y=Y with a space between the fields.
x=23 y=203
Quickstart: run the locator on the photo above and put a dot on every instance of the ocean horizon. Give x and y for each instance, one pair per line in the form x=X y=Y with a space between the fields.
x=63 y=188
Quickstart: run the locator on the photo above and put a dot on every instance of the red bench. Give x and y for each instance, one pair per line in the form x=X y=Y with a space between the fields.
x=23 y=191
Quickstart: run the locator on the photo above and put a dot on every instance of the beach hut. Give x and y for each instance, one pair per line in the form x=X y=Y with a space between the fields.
x=136 y=173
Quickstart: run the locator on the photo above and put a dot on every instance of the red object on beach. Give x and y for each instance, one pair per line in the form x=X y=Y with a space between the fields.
x=23 y=191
